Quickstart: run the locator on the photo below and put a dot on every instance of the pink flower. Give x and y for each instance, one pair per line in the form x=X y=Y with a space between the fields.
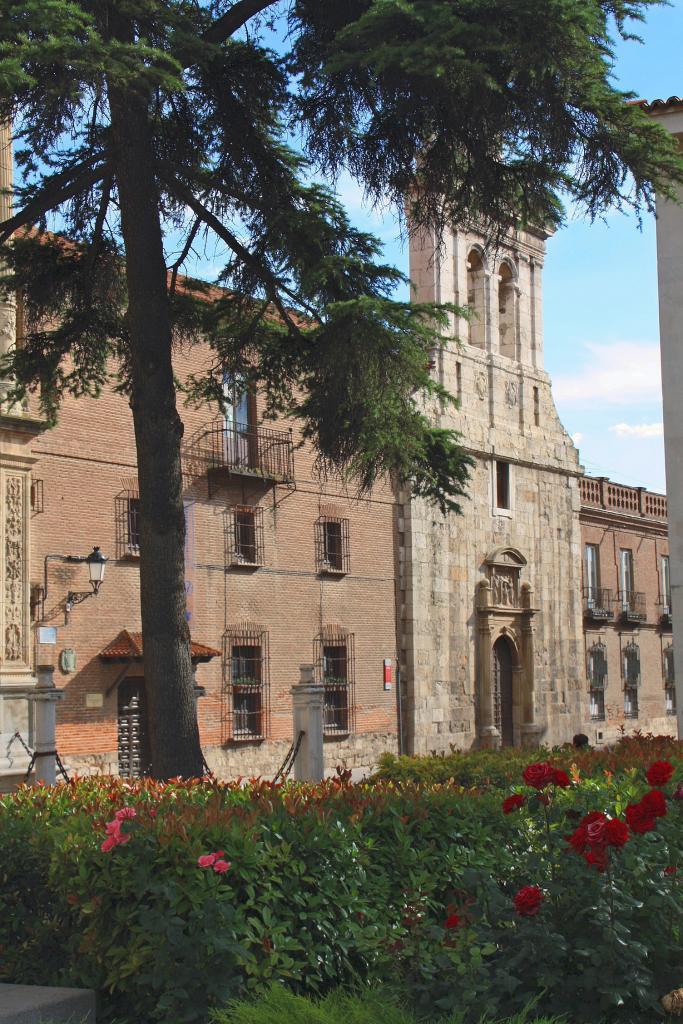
x=125 y=813
x=108 y=844
x=113 y=828
x=207 y=860
x=221 y=866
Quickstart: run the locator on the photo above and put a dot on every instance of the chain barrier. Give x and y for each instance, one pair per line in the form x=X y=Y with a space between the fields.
x=33 y=755
x=290 y=757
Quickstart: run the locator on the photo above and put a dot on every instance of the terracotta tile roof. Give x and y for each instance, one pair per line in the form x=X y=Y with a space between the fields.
x=656 y=106
x=128 y=646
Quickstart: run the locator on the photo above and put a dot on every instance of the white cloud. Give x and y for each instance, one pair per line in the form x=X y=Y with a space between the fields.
x=616 y=373
x=638 y=429
x=577 y=438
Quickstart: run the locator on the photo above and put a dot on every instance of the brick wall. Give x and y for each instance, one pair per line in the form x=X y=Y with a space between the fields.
x=646 y=536
x=87 y=468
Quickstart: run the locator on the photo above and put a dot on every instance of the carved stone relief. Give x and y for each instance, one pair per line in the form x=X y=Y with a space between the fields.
x=511 y=392
x=481 y=385
x=504 y=587
x=14 y=570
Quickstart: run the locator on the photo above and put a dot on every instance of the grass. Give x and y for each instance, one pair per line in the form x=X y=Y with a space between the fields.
x=282 y=1007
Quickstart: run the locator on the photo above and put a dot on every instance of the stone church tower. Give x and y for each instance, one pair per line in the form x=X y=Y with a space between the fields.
x=492 y=649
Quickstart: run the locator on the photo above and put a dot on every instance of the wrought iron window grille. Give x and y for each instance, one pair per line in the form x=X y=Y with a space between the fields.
x=670 y=699
x=668 y=658
x=631 y=702
x=631 y=665
x=37 y=497
x=246 y=683
x=245 y=536
x=334 y=666
x=127 y=524
x=597 y=665
x=332 y=549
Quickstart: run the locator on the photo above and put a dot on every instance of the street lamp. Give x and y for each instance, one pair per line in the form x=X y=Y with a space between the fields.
x=96 y=562
x=96 y=565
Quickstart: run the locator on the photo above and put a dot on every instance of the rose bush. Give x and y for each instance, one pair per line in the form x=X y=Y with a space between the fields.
x=214 y=891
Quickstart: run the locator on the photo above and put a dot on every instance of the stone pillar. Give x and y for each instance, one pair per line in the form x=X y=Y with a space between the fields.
x=44 y=699
x=531 y=729
x=308 y=701
x=489 y=734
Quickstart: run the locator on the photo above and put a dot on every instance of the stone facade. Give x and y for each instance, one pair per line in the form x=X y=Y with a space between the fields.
x=492 y=648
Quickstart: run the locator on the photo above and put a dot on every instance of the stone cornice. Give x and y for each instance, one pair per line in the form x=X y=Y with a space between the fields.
x=592 y=516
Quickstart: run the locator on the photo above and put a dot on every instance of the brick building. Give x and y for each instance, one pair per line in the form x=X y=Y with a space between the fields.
x=283 y=568
x=626 y=610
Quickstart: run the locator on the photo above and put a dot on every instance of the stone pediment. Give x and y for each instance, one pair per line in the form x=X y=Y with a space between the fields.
x=509 y=558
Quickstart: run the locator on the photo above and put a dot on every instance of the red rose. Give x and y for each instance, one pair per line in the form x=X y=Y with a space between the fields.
x=538 y=775
x=578 y=839
x=659 y=773
x=671 y=870
x=639 y=819
x=678 y=795
x=513 y=803
x=528 y=900
x=453 y=921
x=596 y=830
x=597 y=859
x=617 y=832
x=654 y=803
x=561 y=778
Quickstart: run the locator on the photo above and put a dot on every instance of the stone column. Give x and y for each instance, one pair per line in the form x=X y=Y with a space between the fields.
x=489 y=734
x=531 y=730
x=308 y=701
x=44 y=699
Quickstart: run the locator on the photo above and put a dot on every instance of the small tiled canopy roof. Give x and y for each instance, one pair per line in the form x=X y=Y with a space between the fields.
x=128 y=647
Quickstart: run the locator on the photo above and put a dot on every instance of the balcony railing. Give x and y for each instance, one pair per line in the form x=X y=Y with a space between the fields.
x=632 y=605
x=598 y=603
x=599 y=492
x=664 y=606
x=247 y=450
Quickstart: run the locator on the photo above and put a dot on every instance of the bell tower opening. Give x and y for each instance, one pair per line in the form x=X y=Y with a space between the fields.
x=476 y=325
x=507 y=345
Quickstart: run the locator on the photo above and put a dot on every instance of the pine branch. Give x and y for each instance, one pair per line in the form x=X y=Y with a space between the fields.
x=238 y=15
x=53 y=194
x=183 y=256
x=272 y=284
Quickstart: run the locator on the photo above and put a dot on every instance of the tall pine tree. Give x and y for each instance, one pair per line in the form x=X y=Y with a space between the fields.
x=136 y=118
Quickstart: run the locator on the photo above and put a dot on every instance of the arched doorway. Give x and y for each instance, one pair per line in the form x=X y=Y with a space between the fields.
x=502 y=690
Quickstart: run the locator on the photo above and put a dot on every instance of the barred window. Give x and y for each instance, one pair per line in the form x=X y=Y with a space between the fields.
x=127 y=517
x=670 y=699
x=332 y=544
x=334 y=663
x=246 y=702
x=631 y=663
x=245 y=535
x=669 y=675
x=631 y=702
x=597 y=665
x=597 y=679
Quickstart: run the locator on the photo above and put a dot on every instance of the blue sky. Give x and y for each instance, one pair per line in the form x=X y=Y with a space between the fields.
x=600 y=298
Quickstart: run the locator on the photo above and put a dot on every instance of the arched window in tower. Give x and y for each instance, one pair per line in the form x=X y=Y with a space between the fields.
x=476 y=325
x=506 y=311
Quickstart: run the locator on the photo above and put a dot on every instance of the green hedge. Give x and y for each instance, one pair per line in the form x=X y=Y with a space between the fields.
x=498 y=769
x=411 y=886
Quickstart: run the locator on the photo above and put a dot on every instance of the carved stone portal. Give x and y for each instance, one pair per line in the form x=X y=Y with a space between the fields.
x=505 y=626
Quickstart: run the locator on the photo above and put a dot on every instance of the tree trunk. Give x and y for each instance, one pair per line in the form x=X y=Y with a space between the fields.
x=173 y=729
